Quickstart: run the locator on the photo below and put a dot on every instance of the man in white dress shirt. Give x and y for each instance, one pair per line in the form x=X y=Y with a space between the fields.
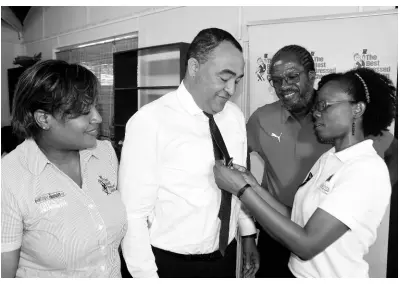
x=166 y=173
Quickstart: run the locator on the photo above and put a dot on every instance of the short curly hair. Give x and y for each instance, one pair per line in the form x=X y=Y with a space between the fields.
x=56 y=87
x=206 y=41
x=381 y=108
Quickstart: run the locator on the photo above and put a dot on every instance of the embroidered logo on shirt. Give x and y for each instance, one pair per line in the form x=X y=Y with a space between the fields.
x=106 y=185
x=276 y=136
x=325 y=188
x=49 y=196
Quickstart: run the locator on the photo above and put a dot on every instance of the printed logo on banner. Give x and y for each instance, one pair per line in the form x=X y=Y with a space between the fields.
x=263 y=67
x=321 y=66
x=369 y=60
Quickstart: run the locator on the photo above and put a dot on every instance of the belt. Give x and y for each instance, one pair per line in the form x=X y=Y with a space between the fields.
x=197 y=257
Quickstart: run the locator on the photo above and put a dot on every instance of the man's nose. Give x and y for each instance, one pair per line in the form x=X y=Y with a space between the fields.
x=284 y=83
x=230 y=87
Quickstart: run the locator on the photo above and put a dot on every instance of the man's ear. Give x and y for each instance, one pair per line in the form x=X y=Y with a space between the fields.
x=42 y=119
x=192 y=66
x=358 y=109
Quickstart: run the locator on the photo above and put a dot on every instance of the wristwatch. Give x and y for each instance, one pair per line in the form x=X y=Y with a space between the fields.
x=242 y=190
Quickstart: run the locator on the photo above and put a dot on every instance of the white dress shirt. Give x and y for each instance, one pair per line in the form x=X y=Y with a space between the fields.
x=358 y=195
x=167 y=182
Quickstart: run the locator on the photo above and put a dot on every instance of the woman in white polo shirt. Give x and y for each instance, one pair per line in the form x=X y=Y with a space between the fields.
x=339 y=206
x=61 y=213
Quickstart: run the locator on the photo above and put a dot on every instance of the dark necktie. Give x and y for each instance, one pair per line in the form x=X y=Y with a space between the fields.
x=224 y=214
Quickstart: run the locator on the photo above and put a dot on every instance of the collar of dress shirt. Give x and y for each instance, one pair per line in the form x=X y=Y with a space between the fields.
x=36 y=159
x=187 y=101
x=358 y=149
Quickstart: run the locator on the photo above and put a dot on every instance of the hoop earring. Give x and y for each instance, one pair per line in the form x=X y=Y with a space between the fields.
x=353 y=128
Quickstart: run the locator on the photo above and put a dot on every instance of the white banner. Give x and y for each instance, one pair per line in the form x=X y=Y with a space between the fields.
x=337 y=44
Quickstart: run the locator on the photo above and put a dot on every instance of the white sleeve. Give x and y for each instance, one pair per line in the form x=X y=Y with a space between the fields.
x=137 y=183
x=360 y=194
x=12 y=225
x=245 y=221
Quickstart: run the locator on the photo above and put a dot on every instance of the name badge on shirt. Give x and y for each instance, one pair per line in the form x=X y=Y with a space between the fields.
x=49 y=196
x=325 y=187
x=50 y=201
x=106 y=186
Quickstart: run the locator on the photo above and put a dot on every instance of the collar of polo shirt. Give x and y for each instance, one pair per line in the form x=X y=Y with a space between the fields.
x=37 y=160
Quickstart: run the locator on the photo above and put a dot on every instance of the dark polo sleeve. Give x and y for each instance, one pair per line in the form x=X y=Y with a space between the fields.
x=252 y=130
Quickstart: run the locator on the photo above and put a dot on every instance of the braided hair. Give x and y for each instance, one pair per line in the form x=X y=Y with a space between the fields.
x=302 y=54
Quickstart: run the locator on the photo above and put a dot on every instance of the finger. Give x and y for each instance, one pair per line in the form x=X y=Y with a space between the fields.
x=247 y=265
x=219 y=163
x=246 y=272
x=239 y=167
x=245 y=176
x=249 y=273
x=255 y=267
x=247 y=269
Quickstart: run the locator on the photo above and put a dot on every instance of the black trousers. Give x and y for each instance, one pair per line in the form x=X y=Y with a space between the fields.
x=274 y=257
x=173 y=265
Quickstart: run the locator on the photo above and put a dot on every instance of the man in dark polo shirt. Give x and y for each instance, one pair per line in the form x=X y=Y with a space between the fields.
x=282 y=134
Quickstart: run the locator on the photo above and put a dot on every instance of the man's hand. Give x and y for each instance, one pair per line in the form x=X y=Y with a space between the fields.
x=251 y=257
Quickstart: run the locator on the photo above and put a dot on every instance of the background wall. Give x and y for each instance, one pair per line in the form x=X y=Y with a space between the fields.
x=47 y=28
x=11 y=46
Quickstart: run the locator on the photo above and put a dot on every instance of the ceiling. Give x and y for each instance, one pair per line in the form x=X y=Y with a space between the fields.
x=20 y=12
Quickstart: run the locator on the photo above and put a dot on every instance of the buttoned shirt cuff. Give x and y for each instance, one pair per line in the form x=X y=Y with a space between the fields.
x=246 y=227
x=7 y=247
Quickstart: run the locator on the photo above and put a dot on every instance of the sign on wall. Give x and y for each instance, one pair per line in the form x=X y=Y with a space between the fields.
x=336 y=43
